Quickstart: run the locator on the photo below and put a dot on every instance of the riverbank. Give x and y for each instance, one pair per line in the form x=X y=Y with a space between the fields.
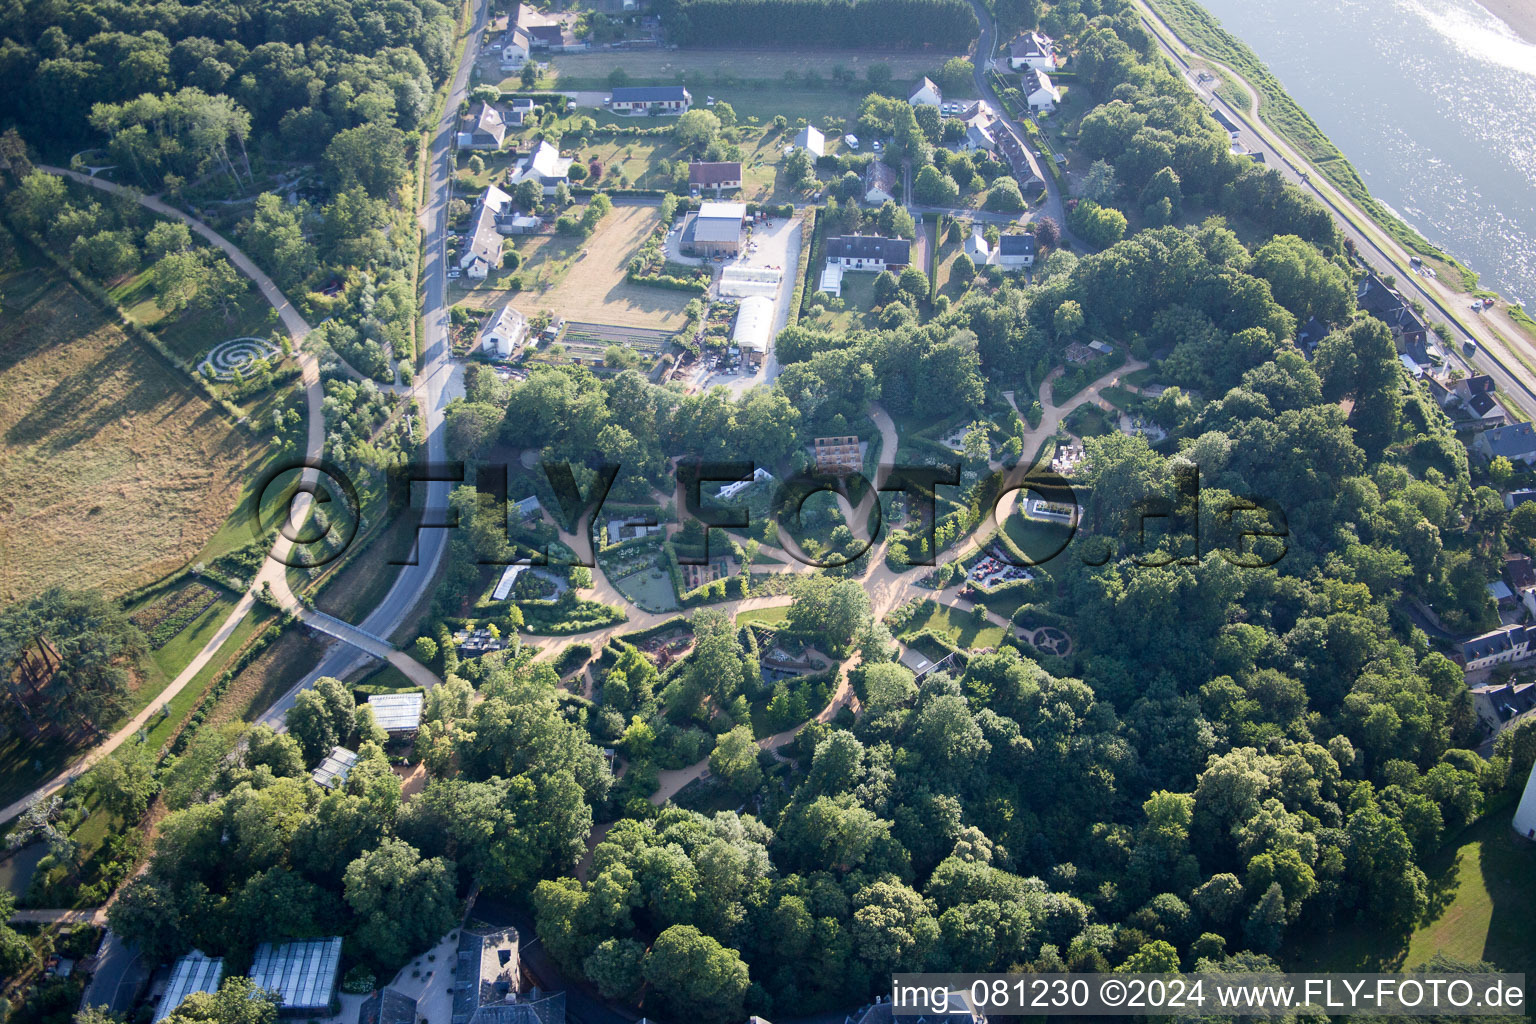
x=1519 y=15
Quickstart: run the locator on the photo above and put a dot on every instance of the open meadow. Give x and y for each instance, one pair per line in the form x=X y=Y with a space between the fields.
x=115 y=470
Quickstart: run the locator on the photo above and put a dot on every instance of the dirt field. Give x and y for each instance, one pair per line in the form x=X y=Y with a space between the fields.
x=594 y=288
x=113 y=470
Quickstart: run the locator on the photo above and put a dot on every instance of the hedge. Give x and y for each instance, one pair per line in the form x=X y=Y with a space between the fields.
x=665 y=626
x=541 y=98
x=805 y=268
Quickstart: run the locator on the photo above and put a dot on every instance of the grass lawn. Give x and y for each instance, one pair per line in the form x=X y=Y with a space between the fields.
x=1485 y=906
x=1088 y=420
x=359 y=587
x=1481 y=908
x=162 y=727
x=768 y=616
x=169 y=660
x=192 y=332
x=269 y=676
x=117 y=470
x=950 y=246
x=960 y=628
x=1038 y=540
x=858 y=298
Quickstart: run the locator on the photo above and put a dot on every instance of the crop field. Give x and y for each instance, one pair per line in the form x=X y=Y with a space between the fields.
x=593 y=290
x=115 y=470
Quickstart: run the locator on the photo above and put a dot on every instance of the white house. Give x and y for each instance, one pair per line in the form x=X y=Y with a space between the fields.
x=868 y=252
x=514 y=48
x=1038 y=90
x=879 y=183
x=1032 y=50
x=1015 y=251
x=812 y=140
x=1505 y=644
x=927 y=94
x=482 y=249
x=507 y=333
x=662 y=99
x=544 y=165
x=976 y=246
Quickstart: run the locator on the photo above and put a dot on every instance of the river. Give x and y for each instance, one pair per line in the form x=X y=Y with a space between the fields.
x=1433 y=101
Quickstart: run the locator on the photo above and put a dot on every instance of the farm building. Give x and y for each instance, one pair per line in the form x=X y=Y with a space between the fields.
x=302 y=973
x=754 y=325
x=717 y=229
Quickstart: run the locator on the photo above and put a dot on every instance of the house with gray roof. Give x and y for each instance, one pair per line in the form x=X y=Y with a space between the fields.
x=656 y=99
x=1497 y=647
x=1515 y=442
x=1388 y=305
x=869 y=252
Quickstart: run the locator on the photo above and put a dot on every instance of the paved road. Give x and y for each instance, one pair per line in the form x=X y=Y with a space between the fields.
x=1385 y=256
x=432 y=391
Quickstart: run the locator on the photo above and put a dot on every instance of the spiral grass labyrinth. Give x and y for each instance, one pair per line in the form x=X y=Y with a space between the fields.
x=237 y=354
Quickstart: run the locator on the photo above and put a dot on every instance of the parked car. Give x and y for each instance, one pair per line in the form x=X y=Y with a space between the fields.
x=851 y=141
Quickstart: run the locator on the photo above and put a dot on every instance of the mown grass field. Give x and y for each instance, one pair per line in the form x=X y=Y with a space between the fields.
x=115 y=469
